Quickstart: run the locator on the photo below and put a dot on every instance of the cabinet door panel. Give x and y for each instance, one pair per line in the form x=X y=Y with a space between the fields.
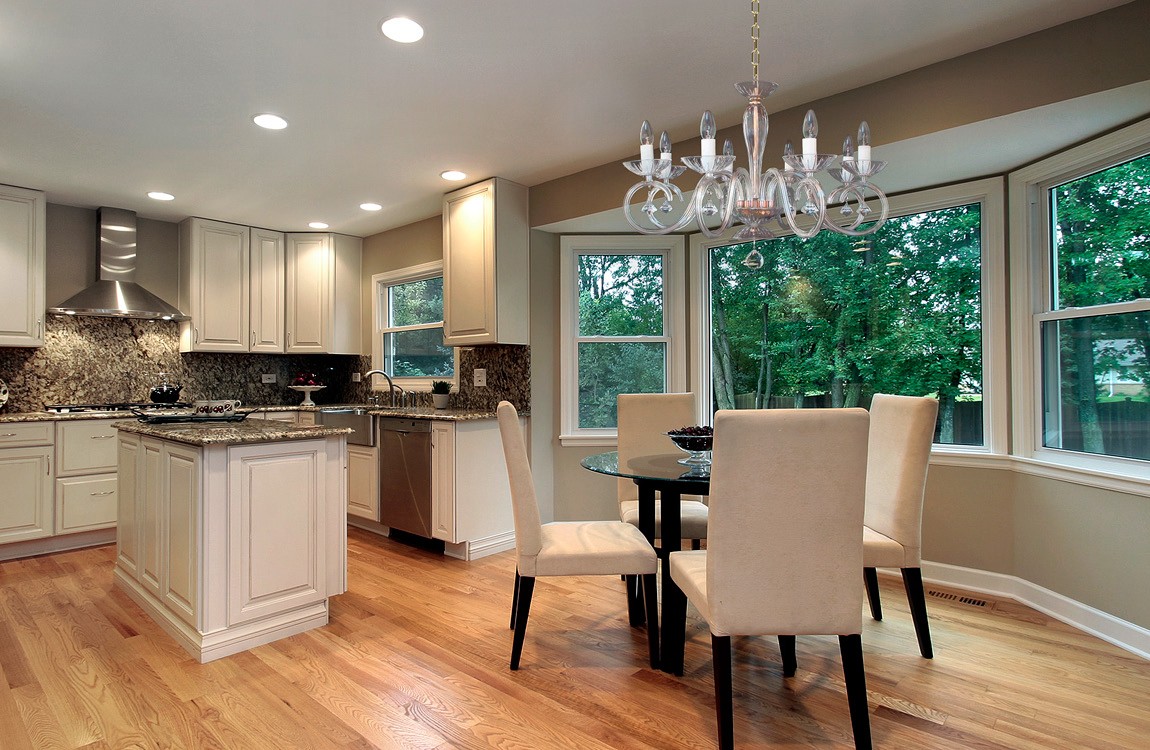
x=267 y=291
x=22 y=287
x=308 y=293
x=85 y=503
x=151 y=517
x=178 y=584
x=26 y=502
x=469 y=267
x=276 y=530
x=85 y=447
x=216 y=291
x=443 y=481
x=127 y=530
x=363 y=482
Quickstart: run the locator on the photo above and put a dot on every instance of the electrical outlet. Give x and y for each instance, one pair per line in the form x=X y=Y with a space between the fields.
x=268 y=377
x=480 y=379
x=357 y=377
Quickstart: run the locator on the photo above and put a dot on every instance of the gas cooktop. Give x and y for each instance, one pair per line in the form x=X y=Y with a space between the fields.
x=113 y=406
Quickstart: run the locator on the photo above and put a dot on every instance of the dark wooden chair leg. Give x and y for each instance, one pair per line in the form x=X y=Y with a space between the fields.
x=724 y=712
x=787 y=649
x=634 y=601
x=916 y=596
x=870 y=578
x=522 y=608
x=514 y=599
x=696 y=544
x=651 y=599
x=850 y=646
x=674 y=628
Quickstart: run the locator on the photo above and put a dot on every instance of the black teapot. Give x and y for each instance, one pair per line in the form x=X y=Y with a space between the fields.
x=165 y=392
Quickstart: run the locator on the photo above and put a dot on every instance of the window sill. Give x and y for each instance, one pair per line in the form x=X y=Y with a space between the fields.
x=597 y=441
x=1090 y=477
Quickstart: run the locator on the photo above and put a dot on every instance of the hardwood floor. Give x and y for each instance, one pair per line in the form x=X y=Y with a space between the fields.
x=416 y=657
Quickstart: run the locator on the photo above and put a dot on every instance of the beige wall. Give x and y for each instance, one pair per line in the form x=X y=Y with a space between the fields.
x=411 y=245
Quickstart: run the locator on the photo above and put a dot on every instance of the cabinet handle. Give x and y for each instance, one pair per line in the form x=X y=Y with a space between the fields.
x=105 y=492
x=253 y=339
x=195 y=335
x=101 y=437
x=7 y=434
x=49 y=462
x=39 y=328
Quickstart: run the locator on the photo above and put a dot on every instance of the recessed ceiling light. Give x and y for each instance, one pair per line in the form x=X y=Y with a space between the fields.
x=317 y=225
x=370 y=206
x=453 y=174
x=400 y=29
x=156 y=195
x=271 y=122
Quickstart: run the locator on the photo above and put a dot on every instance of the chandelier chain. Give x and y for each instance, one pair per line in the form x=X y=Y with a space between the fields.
x=755 y=40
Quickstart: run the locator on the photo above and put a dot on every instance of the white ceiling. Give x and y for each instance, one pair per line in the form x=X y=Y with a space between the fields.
x=101 y=102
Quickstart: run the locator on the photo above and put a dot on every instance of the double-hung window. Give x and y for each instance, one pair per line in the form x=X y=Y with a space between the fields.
x=1082 y=244
x=622 y=328
x=407 y=340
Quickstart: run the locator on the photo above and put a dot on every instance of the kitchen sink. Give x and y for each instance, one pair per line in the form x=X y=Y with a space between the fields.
x=356 y=417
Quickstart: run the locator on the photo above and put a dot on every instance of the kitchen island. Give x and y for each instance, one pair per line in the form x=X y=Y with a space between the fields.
x=231 y=534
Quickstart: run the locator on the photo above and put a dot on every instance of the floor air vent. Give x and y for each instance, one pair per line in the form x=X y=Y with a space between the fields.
x=956 y=598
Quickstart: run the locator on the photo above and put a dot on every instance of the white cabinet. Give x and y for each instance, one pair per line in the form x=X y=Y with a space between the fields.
x=471 y=497
x=22 y=285
x=323 y=293
x=232 y=286
x=485 y=264
x=85 y=476
x=231 y=546
x=274 y=416
x=363 y=481
x=26 y=479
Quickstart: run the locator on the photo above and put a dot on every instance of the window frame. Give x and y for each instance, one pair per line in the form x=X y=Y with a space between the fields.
x=381 y=283
x=1031 y=265
x=995 y=391
x=571 y=247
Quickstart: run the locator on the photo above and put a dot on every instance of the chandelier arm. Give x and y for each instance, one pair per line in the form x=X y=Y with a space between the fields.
x=817 y=223
x=851 y=230
x=706 y=184
x=655 y=187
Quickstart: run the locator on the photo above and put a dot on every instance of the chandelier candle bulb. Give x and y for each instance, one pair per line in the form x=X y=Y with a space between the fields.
x=665 y=146
x=707 y=131
x=646 y=147
x=788 y=150
x=864 y=145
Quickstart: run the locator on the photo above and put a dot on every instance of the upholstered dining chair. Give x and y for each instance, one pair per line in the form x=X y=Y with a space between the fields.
x=783 y=546
x=644 y=419
x=901 y=432
x=570 y=548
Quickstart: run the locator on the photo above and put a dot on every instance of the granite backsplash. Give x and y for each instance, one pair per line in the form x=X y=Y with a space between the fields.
x=94 y=360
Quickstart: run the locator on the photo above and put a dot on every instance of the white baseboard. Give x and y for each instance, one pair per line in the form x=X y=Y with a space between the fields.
x=488 y=545
x=1125 y=635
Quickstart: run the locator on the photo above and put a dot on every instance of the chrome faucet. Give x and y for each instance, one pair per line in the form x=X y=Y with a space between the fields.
x=391 y=386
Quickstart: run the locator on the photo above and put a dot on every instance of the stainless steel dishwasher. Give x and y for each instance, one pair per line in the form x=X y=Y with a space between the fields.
x=405 y=474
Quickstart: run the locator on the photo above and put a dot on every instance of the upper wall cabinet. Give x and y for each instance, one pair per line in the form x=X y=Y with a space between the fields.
x=232 y=286
x=22 y=287
x=323 y=291
x=485 y=264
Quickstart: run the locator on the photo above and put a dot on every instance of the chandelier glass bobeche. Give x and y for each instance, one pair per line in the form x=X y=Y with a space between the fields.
x=794 y=197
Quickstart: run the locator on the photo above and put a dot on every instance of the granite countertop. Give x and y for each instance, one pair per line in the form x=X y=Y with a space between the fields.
x=407 y=412
x=228 y=433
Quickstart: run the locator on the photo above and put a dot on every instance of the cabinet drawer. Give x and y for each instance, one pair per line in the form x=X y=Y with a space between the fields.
x=20 y=434
x=84 y=503
x=85 y=447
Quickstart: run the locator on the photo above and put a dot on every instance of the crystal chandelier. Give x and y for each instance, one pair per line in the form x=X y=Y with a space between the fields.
x=754 y=197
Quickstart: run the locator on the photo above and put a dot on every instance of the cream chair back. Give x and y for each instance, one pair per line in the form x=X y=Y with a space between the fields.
x=785 y=535
x=643 y=418
x=901 y=432
x=528 y=526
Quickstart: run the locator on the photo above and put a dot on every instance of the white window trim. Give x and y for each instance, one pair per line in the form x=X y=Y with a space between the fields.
x=995 y=392
x=379 y=285
x=674 y=305
x=1030 y=267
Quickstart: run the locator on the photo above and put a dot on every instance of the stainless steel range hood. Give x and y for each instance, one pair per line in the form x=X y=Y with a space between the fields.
x=115 y=293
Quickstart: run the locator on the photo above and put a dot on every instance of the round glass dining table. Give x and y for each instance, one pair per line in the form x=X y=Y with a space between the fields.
x=661 y=473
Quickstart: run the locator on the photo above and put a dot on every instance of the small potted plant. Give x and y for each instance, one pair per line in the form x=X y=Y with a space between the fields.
x=439 y=392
